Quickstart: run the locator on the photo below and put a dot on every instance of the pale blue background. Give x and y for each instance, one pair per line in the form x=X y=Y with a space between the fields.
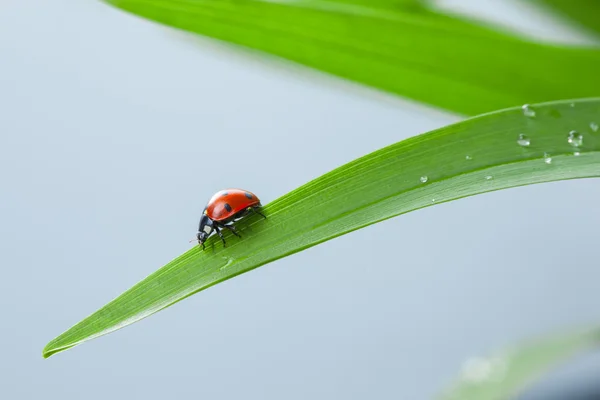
x=114 y=132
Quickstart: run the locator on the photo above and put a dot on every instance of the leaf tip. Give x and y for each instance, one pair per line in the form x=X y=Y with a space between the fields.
x=52 y=348
x=48 y=351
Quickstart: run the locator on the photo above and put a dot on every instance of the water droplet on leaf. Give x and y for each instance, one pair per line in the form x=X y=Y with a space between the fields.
x=528 y=111
x=547 y=158
x=229 y=261
x=467 y=157
x=594 y=126
x=575 y=139
x=488 y=178
x=523 y=140
x=424 y=179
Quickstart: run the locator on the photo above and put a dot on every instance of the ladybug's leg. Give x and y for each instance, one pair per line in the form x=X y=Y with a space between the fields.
x=233 y=230
x=254 y=210
x=220 y=235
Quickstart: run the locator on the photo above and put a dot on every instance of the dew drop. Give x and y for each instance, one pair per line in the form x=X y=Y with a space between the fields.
x=576 y=153
x=433 y=200
x=547 y=158
x=488 y=178
x=594 y=126
x=229 y=261
x=523 y=140
x=572 y=105
x=528 y=111
x=467 y=157
x=575 y=139
x=424 y=179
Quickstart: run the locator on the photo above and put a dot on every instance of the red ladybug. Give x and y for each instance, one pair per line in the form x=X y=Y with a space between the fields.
x=223 y=209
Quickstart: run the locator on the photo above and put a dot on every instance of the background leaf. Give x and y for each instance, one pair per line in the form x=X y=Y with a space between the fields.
x=583 y=12
x=505 y=374
x=475 y=156
x=400 y=47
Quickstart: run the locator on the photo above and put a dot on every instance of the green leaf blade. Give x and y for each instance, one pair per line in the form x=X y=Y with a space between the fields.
x=422 y=55
x=583 y=12
x=474 y=156
x=507 y=373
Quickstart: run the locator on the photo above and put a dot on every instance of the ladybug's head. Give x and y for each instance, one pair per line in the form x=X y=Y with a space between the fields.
x=201 y=236
x=205 y=229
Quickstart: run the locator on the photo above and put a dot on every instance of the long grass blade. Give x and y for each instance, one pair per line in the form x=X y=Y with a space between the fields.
x=514 y=147
x=506 y=373
x=400 y=47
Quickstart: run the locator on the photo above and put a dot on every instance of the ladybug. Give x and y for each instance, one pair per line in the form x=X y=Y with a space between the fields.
x=223 y=209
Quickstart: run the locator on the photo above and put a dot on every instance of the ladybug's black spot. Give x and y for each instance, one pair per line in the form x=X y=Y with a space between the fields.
x=224 y=193
x=227 y=207
x=248 y=195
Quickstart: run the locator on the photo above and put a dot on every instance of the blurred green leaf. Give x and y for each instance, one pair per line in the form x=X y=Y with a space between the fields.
x=582 y=12
x=397 y=46
x=478 y=155
x=505 y=374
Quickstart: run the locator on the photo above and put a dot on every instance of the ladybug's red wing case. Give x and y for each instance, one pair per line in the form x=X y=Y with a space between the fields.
x=226 y=203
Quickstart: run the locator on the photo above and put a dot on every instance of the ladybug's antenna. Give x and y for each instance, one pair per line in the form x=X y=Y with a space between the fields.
x=193 y=240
